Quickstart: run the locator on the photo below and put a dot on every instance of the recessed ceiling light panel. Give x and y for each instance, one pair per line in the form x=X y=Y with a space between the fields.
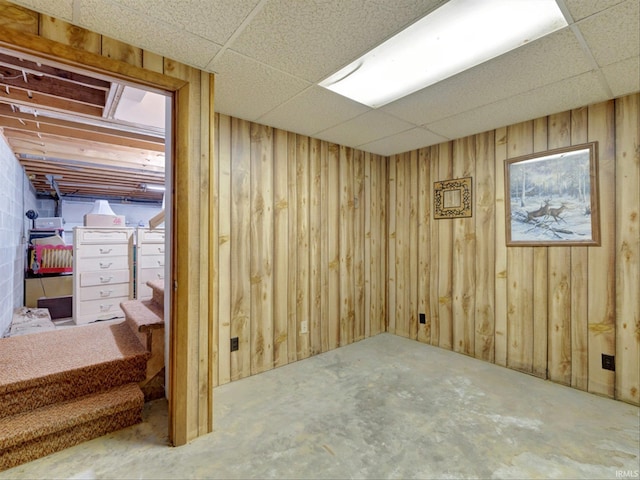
x=457 y=36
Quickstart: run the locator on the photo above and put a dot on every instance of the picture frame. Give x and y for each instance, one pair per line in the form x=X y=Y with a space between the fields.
x=551 y=198
x=452 y=198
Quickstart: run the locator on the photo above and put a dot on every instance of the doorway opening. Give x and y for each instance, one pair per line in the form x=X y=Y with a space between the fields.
x=86 y=142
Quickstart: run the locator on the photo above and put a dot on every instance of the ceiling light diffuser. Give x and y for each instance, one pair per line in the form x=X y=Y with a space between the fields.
x=457 y=36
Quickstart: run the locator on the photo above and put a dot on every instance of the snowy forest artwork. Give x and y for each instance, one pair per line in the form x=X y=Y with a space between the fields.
x=552 y=197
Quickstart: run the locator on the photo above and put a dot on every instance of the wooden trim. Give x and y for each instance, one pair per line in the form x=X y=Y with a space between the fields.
x=97 y=64
x=187 y=366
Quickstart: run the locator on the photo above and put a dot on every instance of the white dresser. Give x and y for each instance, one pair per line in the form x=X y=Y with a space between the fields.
x=149 y=259
x=103 y=276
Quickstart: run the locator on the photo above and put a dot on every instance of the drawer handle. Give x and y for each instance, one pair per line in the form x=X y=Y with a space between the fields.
x=161 y=263
x=106 y=293
x=105 y=265
x=105 y=279
x=105 y=251
x=160 y=276
x=106 y=308
x=160 y=249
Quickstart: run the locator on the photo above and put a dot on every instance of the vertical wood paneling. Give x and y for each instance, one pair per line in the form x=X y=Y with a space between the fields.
x=224 y=248
x=628 y=248
x=559 y=258
x=602 y=293
x=68 y=34
x=423 y=248
x=412 y=264
x=500 y=271
x=375 y=239
x=579 y=280
x=360 y=317
x=292 y=288
x=485 y=237
x=402 y=265
x=240 y=247
x=206 y=321
x=123 y=52
x=540 y=276
x=434 y=252
x=188 y=270
x=367 y=201
x=261 y=241
x=325 y=194
x=520 y=273
x=392 y=200
x=381 y=247
x=19 y=18
x=463 y=270
x=333 y=248
x=315 y=261
x=302 y=244
x=281 y=247
x=347 y=281
x=445 y=253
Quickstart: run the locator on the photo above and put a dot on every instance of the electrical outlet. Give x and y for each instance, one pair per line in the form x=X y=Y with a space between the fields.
x=609 y=362
x=423 y=318
x=235 y=344
x=304 y=327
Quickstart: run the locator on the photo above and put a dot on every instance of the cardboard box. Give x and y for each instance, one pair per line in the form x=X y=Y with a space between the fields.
x=47 y=223
x=100 y=220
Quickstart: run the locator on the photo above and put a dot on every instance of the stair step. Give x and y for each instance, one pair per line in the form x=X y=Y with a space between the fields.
x=51 y=367
x=143 y=315
x=37 y=433
x=157 y=289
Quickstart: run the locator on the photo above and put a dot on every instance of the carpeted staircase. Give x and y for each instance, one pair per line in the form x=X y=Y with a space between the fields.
x=63 y=387
x=146 y=319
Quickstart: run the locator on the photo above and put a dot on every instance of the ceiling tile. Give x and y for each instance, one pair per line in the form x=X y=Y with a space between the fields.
x=134 y=28
x=213 y=20
x=329 y=109
x=582 y=8
x=614 y=34
x=403 y=142
x=565 y=95
x=366 y=128
x=623 y=77
x=312 y=39
x=248 y=89
x=542 y=62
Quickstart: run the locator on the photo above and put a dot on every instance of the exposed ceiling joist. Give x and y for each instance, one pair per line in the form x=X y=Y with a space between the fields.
x=62 y=127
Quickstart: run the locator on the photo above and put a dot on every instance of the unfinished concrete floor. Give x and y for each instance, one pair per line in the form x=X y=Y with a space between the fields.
x=385 y=407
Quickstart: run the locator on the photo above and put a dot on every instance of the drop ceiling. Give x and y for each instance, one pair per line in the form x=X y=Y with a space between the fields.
x=269 y=55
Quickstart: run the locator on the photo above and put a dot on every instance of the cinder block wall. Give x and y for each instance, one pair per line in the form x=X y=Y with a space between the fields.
x=16 y=197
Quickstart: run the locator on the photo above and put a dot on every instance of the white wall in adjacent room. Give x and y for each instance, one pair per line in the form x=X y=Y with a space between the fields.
x=16 y=197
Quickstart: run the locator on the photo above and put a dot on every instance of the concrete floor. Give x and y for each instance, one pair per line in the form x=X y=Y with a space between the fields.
x=385 y=407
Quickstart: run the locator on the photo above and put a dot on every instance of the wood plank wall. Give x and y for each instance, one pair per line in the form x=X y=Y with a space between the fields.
x=301 y=261
x=193 y=341
x=547 y=311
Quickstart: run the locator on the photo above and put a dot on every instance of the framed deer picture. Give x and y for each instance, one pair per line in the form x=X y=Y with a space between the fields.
x=552 y=197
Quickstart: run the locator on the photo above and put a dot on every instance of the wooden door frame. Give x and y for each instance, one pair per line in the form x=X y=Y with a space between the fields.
x=186 y=420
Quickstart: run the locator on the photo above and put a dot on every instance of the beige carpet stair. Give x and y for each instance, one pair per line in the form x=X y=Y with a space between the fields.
x=37 y=433
x=62 y=387
x=146 y=319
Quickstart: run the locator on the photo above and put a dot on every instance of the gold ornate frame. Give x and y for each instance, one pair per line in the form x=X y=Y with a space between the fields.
x=452 y=198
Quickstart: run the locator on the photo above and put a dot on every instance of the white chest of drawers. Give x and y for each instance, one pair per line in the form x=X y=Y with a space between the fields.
x=102 y=272
x=149 y=260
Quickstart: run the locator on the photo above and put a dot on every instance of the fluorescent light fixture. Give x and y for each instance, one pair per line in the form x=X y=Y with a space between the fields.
x=151 y=187
x=457 y=36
